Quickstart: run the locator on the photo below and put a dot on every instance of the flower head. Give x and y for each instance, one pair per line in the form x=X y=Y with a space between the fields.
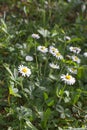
x=72 y=70
x=43 y=49
x=54 y=66
x=76 y=59
x=29 y=58
x=35 y=36
x=85 y=54
x=25 y=71
x=75 y=49
x=58 y=55
x=68 y=79
x=53 y=50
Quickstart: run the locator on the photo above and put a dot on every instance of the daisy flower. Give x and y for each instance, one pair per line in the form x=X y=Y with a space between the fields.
x=85 y=54
x=54 y=66
x=35 y=36
x=68 y=79
x=25 y=71
x=43 y=49
x=72 y=70
x=53 y=50
x=76 y=59
x=58 y=55
x=75 y=49
x=29 y=58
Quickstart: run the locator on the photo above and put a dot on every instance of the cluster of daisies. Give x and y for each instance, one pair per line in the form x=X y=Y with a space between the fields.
x=52 y=50
x=75 y=50
x=66 y=78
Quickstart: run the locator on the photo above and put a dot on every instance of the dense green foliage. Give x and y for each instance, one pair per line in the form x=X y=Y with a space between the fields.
x=42 y=101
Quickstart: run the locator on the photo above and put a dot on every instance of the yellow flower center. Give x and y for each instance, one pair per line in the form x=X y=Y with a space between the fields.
x=76 y=58
x=53 y=49
x=74 y=48
x=57 y=54
x=68 y=77
x=73 y=69
x=42 y=48
x=24 y=70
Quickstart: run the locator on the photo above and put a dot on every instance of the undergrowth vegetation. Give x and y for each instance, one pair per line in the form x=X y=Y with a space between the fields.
x=43 y=64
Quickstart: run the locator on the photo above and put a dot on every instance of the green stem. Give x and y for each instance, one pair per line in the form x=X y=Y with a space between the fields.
x=9 y=99
x=21 y=84
x=60 y=73
x=20 y=125
x=46 y=65
x=36 y=55
x=62 y=92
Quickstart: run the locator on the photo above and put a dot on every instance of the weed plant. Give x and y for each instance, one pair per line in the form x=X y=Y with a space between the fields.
x=43 y=64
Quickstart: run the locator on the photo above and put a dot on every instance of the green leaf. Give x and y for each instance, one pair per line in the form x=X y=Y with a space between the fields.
x=50 y=102
x=60 y=109
x=3 y=23
x=76 y=96
x=7 y=68
x=44 y=32
x=46 y=116
x=30 y=125
x=45 y=96
x=13 y=91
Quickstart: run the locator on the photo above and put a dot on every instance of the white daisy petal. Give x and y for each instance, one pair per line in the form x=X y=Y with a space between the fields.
x=67 y=38
x=54 y=66
x=35 y=36
x=85 y=54
x=29 y=58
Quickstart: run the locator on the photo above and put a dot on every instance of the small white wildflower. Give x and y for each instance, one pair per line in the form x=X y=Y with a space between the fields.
x=72 y=70
x=29 y=58
x=83 y=7
x=67 y=38
x=58 y=56
x=75 y=49
x=43 y=49
x=69 y=0
x=25 y=71
x=68 y=79
x=76 y=59
x=36 y=36
x=54 y=66
x=85 y=54
x=53 y=50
